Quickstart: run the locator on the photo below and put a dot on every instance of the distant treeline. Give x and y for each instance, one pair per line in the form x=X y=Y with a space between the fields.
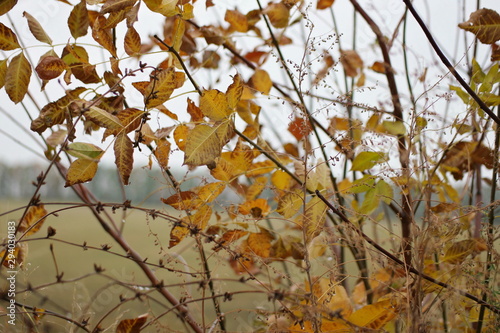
x=17 y=183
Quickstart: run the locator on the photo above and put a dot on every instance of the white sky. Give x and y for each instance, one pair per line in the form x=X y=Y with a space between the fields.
x=442 y=16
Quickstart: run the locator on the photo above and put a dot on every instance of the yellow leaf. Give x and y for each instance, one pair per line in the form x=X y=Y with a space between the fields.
x=180 y=136
x=132 y=42
x=258 y=208
x=374 y=316
x=205 y=143
x=3 y=72
x=231 y=236
x=254 y=190
x=160 y=88
x=234 y=92
x=281 y=180
x=80 y=171
x=213 y=104
x=484 y=23
x=124 y=156
x=260 y=168
x=278 y=14
x=184 y=200
x=37 y=29
x=78 y=20
x=50 y=67
x=458 y=251
x=165 y=7
x=17 y=78
x=132 y=325
x=130 y=118
x=313 y=218
x=232 y=164
x=260 y=243
x=33 y=221
x=237 y=20
x=8 y=39
x=290 y=204
x=103 y=118
x=162 y=153
x=211 y=191
x=261 y=81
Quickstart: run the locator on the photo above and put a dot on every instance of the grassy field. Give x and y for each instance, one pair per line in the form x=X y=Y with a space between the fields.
x=82 y=294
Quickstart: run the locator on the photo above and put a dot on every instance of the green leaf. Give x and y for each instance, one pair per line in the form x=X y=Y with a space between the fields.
x=370 y=202
x=84 y=150
x=362 y=185
x=366 y=160
x=384 y=191
x=394 y=127
x=460 y=93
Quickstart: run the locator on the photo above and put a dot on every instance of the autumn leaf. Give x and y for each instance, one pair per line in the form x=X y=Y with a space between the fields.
x=299 y=128
x=162 y=153
x=6 y=6
x=81 y=171
x=132 y=43
x=260 y=243
x=33 y=220
x=130 y=118
x=196 y=221
x=8 y=39
x=258 y=208
x=237 y=20
x=184 y=200
x=323 y=4
x=458 y=251
x=3 y=72
x=485 y=24
x=278 y=14
x=116 y=5
x=213 y=104
x=313 y=218
x=261 y=81
x=50 y=67
x=17 y=78
x=103 y=36
x=161 y=87
x=366 y=160
x=132 y=325
x=84 y=150
x=205 y=143
x=374 y=316
x=352 y=62
x=37 y=29
x=78 y=20
x=124 y=156
x=165 y=7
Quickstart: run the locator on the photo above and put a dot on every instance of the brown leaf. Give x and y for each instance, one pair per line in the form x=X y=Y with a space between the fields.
x=184 y=200
x=33 y=220
x=8 y=39
x=50 y=67
x=103 y=36
x=116 y=5
x=162 y=153
x=165 y=7
x=180 y=136
x=231 y=236
x=378 y=67
x=3 y=72
x=352 y=62
x=462 y=156
x=124 y=156
x=160 y=88
x=323 y=4
x=132 y=325
x=81 y=171
x=194 y=111
x=78 y=20
x=6 y=6
x=234 y=92
x=17 y=78
x=299 y=128
x=37 y=29
x=260 y=243
x=495 y=52
x=132 y=43
x=485 y=24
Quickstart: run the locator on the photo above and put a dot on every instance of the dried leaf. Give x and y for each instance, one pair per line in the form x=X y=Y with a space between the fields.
x=299 y=128
x=130 y=118
x=3 y=72
x=485 y=24
x=81 y=171
x=237 y=20
x=378 y=67
x=56 y=138
x=313 y=218
x=159 y=90
x=167 y=8
x=162 y=153
x=8 y=39
x=132 y=43
x=374 y=316
x=50 y=67
x=458 y=251
x=103 y=36
x=84 y=150
x=116 y=5
x=352 y=62
x=260 y=243
x=132 y=325
x=103 y=118
x=213 y=104
x=258 y=208
x=211 y=191
x=180 y=136
x=6 y=6
x=17 y=78
x=184 y=200
x=124 y=156
x=37 y=29
x=78 y=20
x=33 y=220
x=194 y=111
x=205 y=143
x=234 y=92
x=278 y=14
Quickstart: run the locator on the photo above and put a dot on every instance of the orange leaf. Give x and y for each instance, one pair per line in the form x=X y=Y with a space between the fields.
x=37 y=29
x=132 y=43
x=234 y=92
x=80 y=171
x=258 y=208
x=261 y=81
x=132 y=325
x=124 y=156
x=50 y=67
x=162 y=153
x=130 y=118
x=378 y=67
x=374 y=316
x=194 y=111
x=78 y=21
x=8 y=39
x=299 y=128
x=323 y=4
x=180 y=136
x=33 y=221
x=231 y=236
x=17 y=78
x=254 y=190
